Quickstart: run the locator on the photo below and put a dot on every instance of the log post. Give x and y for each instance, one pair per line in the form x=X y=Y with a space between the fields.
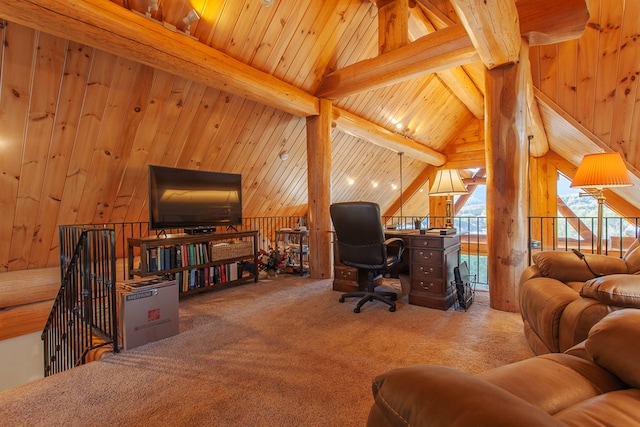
x=319 y=191
x=543 y=198
x=507 y=182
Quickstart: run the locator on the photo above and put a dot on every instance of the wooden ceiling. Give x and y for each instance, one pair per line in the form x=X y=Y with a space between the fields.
x=88 y=99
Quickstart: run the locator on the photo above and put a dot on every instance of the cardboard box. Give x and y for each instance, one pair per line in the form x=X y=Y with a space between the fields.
x=147 y=310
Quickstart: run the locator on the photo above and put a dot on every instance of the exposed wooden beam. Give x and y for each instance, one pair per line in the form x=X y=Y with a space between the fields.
x=114 y=29
x=538 y=142
x=393 y=25
x=455 y=78
x=360 y=128
x=545 y=22
x=466 y=160
x=438 y=51
x=574 y=221
x=507 y=190
x=110 y=27
x=494 y=29
x=319 y=191
x=542 y=22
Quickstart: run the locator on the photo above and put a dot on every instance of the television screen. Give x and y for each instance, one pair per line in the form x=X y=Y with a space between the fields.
x=188 y=198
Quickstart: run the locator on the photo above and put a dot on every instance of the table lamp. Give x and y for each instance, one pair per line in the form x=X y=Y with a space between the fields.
x=597 y=172
x=448 y=183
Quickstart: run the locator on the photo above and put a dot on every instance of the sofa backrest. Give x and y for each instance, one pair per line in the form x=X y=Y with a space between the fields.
x=568 y=267
x=614 y=344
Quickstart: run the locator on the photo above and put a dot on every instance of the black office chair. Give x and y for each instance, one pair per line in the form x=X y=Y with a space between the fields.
x=362 y=244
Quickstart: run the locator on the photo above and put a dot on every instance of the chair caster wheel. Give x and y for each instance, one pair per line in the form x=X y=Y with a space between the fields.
x=394 y=297
x=356 y=310
x=392 y=309
x=341 y=299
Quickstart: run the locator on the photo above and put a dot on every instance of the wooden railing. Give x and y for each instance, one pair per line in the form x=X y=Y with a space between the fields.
x=83 y=317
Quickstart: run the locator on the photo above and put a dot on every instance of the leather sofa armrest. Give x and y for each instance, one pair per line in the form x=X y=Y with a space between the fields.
x=529 y=273
x=542 y=303
x=568 y=267
x=553 y=382
x=423 y=395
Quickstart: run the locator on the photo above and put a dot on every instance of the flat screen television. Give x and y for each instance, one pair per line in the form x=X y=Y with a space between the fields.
x=193 y=199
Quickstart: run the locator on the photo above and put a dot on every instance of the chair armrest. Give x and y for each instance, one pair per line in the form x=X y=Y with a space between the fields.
x=396 y=241
x=422 y=395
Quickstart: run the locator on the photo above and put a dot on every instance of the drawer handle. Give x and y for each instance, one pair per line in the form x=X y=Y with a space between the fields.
x=426 y=272
x=426 y=287
x=426 y=255
x=425 y=243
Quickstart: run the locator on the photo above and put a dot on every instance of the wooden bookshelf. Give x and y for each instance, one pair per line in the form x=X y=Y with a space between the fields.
x=198 y=262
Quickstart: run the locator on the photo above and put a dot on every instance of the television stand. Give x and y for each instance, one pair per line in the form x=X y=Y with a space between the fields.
x=198 y=262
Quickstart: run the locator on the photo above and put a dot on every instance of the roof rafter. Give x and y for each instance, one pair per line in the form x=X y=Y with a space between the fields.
x=109 y=27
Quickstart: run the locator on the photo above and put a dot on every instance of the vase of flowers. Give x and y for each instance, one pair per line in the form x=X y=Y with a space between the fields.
x=271 y=261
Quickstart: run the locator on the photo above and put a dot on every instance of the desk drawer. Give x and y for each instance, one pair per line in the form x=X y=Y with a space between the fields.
x=349 y=279
x=427 y=286
x=426 y=256
x=431 y=243
x=426 y=271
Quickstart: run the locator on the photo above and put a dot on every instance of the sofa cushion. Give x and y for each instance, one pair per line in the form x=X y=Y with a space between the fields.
x=632 y=258
x=568 y=267
x=430 y=395
x=614 y=344
x=621 y=290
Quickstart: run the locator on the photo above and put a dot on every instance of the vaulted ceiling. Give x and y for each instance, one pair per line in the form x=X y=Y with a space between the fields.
x=92 y=92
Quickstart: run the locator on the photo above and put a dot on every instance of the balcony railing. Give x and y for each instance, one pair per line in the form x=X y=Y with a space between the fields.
x=545 y=233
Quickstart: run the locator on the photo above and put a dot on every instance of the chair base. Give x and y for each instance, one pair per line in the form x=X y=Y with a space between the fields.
x=371 y=296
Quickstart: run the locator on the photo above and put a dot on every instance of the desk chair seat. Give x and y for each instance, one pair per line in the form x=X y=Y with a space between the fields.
x=362 y=244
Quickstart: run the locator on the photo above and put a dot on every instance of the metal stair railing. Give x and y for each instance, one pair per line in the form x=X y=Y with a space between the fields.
x=83 y=317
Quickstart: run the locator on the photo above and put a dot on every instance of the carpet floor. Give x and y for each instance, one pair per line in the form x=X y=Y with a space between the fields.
x=281 y=352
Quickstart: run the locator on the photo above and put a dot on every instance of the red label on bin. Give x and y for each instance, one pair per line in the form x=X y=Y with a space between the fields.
x=153 y=315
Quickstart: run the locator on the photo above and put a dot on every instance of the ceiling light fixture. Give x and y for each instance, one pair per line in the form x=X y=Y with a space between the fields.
x=267 y=3
x=283 y=155
x=187 y=20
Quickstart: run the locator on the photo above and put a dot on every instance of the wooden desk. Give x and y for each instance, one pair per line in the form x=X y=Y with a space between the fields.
x=432 y=258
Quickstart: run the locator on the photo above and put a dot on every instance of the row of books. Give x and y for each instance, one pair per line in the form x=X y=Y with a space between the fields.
x=208 y=276
x=178 y=256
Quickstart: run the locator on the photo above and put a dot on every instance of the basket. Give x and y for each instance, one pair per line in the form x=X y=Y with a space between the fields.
x=231 y=249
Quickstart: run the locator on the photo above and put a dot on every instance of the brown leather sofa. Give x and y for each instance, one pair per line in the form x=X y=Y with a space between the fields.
x=596 y=383
x=561 y=298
